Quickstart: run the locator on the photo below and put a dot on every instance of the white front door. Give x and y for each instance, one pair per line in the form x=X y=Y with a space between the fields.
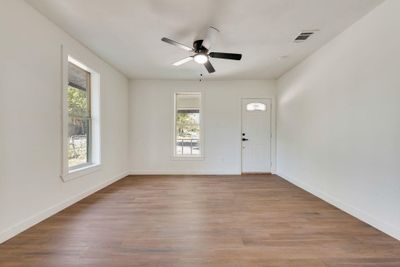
x=256 y=135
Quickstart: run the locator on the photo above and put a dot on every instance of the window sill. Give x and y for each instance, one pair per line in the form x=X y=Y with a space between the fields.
x=188 y=158
x=73 y=174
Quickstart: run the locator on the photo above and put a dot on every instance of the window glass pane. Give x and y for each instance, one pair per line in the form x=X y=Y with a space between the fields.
x=188 y=124
x=78 y=137
x=79 y=120
x=256 y=107
x=77 y=77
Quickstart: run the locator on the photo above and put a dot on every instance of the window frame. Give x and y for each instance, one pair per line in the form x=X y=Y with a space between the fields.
x=70 y=173
x=201 y=125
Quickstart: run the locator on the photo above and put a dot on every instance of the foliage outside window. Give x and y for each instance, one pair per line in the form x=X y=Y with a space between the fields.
x=187 y=124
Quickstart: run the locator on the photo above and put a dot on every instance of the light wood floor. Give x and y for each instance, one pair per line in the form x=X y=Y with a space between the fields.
x=258 y=220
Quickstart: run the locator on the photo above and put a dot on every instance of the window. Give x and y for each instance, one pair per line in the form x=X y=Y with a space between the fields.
x=81 y=119
x=188 y=125
x=256 y=107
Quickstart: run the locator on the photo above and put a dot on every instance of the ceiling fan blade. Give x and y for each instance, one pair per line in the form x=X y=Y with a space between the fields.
x=210 y=37
x=183 y=61
x=209 y=67
x=172 y=42
x=225 y=55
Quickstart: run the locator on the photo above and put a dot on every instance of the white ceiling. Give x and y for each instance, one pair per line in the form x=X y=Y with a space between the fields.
x=127 y=33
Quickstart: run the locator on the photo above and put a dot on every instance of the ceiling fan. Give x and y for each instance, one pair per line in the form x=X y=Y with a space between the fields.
x=201 y=50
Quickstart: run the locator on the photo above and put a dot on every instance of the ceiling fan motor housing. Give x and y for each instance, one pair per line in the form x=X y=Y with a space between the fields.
x=199 y=48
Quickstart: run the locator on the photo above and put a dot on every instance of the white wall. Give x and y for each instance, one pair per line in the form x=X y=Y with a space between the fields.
x=151 y=125
x=30 y=119
x=339 y=120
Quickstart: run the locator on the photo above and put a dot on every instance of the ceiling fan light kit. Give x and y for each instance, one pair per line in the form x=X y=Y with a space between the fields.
x=201 y=58
x=201 y=51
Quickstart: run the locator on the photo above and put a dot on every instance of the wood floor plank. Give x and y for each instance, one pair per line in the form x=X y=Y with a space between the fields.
x=250 y=220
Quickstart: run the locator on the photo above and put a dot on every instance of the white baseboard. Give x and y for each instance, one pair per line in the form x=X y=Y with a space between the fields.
x=31 y=221
x=182 y=172
x=359 y=214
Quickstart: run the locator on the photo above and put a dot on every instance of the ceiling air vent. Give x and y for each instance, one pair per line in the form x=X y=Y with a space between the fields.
x=303 y=36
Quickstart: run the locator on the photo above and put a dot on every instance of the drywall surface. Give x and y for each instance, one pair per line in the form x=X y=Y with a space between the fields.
x=152 y=125
x=338 y=120
x=30 y=120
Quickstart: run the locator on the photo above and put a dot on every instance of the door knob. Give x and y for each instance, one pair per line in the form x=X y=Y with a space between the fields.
x=245 y=139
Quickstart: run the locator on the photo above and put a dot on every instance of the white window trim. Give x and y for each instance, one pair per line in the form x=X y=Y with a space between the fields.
x=189 y=157
x=68 y=174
